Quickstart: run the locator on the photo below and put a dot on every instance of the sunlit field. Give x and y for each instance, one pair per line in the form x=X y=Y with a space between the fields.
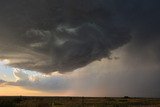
x=77 y=102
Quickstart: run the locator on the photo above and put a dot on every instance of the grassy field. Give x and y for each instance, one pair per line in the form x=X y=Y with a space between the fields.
x=77 y=102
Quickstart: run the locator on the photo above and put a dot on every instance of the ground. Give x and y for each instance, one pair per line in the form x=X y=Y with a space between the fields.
x=21 y=101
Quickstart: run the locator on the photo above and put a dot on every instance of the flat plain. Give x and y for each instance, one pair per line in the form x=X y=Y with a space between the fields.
x=23 y=101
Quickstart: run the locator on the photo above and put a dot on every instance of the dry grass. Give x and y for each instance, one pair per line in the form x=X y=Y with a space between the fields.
x=77 y=102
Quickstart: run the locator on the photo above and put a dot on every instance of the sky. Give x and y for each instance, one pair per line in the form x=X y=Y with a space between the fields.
x=80 y=48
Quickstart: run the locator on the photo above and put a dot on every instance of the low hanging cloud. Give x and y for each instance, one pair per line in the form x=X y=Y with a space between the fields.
x=49 y=36
x=59 y=35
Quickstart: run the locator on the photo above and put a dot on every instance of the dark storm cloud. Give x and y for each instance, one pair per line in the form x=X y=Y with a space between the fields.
x=58 y=35
x=145 y=24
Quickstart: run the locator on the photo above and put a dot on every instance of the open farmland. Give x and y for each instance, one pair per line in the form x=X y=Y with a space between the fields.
x=77 y=102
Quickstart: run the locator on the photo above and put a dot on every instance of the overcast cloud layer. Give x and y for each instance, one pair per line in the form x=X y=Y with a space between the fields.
x=60 y=35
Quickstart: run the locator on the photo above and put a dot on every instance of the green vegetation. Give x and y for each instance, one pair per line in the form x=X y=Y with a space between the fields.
x=77 y=102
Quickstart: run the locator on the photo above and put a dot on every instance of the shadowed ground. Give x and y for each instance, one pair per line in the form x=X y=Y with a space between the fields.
x=78 y=102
